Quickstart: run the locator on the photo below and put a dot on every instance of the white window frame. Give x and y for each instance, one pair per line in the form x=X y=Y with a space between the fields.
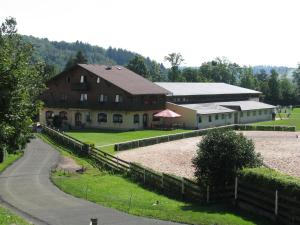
x=81 y=79
x=83 y=97
x=117 y=98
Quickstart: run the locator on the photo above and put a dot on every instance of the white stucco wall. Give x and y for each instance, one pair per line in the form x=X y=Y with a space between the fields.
x=226 y=120
x=188 y=116
x=252 y=116
x=127 y=117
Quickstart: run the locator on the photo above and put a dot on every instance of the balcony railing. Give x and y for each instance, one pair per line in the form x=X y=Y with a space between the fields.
x=120 y=106
x=80 y=87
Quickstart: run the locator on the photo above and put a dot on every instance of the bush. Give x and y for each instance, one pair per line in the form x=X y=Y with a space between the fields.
x=271 y=180
x=221 y=155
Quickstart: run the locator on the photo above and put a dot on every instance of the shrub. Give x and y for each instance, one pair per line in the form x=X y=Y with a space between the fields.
x=220 y=155
x=271 y=180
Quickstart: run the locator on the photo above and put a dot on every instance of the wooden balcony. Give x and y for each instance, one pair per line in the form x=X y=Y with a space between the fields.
x=80 y=86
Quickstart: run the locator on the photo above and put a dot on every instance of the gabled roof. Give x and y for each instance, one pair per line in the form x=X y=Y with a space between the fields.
x=224 y=107
x=208 y=108
x=185 y=89
x=247 y=105
x=125 y=79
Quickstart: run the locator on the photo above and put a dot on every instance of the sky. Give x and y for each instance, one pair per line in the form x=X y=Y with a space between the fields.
x=248 y=32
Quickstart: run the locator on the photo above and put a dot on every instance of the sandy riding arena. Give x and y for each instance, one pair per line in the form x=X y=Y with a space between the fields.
x=280 y=150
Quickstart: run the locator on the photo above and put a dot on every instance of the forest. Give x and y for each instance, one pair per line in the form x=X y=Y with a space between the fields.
x=279 y=85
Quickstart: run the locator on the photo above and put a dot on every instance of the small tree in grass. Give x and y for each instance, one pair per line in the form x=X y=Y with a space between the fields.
x=221 y=154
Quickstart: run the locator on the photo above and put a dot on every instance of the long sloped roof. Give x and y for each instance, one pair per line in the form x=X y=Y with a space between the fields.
x=125 y=79
x=184 y=89
x=223 y=107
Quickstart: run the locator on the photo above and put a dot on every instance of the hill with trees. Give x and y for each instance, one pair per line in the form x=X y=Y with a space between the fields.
x=58 y=54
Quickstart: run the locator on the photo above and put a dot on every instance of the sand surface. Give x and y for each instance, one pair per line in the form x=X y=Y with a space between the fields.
x=280 y=150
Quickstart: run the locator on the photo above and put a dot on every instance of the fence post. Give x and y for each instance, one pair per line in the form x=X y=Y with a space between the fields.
x=236 y=189
x=207 y=194
x=162 y=180
x=182 y=185
x=144 y=176
x=276 y=203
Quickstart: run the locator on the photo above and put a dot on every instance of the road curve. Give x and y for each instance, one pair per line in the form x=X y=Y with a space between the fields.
x=25 y=188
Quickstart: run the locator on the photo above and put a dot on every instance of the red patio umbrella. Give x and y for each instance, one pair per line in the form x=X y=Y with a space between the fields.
x=167 y=113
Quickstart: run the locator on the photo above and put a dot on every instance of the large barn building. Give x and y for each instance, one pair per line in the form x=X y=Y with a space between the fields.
x=97 y=96
x=205 y=105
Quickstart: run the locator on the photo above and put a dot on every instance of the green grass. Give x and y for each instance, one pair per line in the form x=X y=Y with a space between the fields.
x=105 y=137
x=294 y=120
x=118 y=192
x=9 y=160
x=7 y=218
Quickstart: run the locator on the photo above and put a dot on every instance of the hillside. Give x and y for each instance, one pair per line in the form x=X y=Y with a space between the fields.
x=58 y=53
x=282 y=70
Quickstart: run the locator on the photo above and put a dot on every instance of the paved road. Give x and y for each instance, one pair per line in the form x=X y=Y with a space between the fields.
x=26 y=188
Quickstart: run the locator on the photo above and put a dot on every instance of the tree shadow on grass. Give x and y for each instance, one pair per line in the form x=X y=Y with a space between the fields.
x=226 y=208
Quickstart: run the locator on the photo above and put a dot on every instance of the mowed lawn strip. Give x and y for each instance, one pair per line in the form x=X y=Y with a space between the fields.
x=107 y=138
x=7 y=218
x=118 y=192
x=9 y=160
x=293 y=120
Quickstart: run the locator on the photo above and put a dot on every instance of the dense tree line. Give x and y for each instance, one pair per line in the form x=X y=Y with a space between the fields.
x=276 y=88
x=60 y=55
x=21 y=82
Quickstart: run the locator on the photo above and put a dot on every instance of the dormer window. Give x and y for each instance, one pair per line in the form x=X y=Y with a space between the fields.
x=98 y=80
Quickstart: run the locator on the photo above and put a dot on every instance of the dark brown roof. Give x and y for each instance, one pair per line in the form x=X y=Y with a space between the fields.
x=125 y=79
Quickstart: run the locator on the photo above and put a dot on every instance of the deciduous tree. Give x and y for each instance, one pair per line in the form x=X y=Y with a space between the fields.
x=21 y=82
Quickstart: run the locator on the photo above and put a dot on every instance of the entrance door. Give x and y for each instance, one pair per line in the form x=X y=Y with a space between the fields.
x=78 y=118
x=236 y=118
x=145 y=120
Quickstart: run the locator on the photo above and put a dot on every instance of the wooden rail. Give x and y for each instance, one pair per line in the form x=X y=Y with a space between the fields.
x=268 y=202
x=166 y=183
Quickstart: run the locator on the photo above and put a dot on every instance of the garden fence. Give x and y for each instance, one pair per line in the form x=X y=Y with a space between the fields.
x=268 y=202
x=168 y=184
x=277 y=206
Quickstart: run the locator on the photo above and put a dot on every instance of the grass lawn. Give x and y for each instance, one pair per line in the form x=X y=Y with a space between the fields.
x=105 y=137
x=7 y=218
x=294 y=120
x=118 y=192
x=9 y=160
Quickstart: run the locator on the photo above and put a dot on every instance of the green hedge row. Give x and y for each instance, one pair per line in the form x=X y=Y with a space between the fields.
x=272 y=180
x=265 y=128
x=196 y=133
x=166 y=138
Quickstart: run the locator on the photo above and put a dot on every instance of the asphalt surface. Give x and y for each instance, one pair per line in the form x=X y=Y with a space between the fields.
x=25 y=188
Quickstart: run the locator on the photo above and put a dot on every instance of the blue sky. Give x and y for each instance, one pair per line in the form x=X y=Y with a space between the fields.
x=249 y=32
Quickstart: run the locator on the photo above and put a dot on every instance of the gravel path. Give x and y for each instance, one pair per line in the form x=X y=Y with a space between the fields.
x=26 y=189
x=280 y=150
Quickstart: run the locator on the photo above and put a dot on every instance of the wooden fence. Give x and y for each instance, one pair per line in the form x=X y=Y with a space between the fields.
x=195 y=133
x=275 y=205
x=169 y=185
x=279 y=207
